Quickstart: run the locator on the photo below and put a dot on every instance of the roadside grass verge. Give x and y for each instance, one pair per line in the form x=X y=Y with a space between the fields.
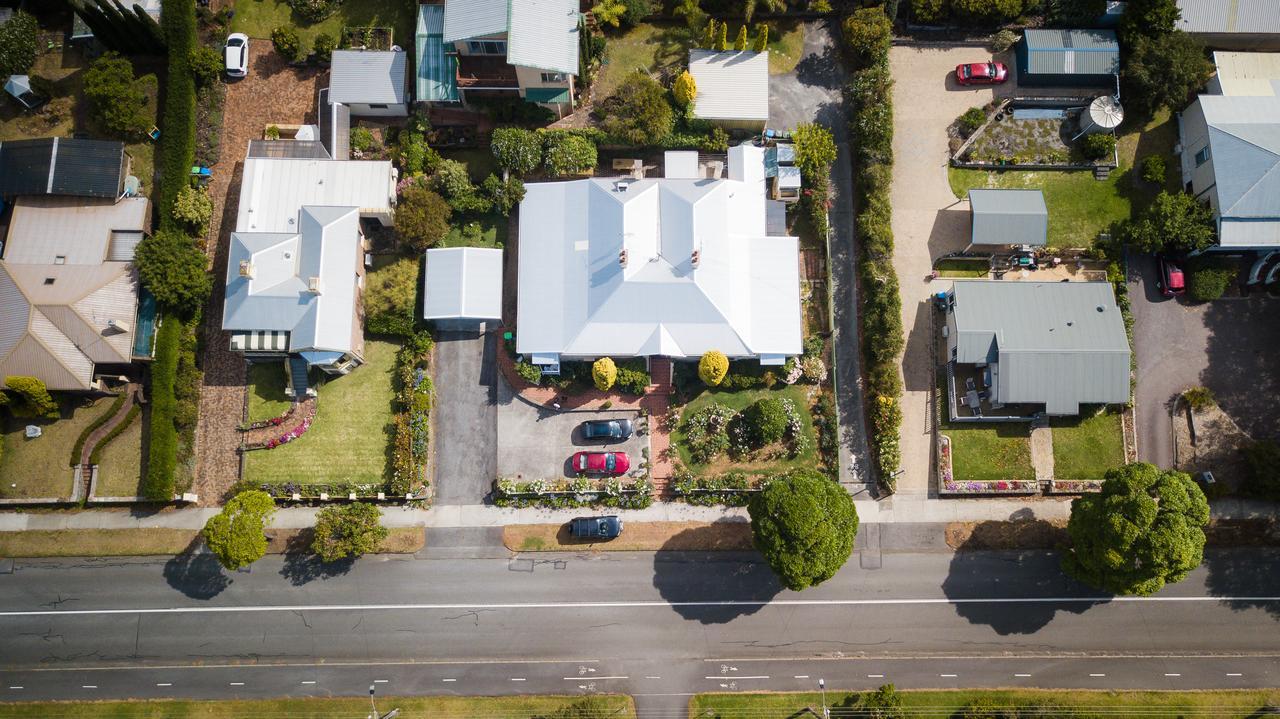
x=636 y=537
x=37 y=543
x=1086 y=447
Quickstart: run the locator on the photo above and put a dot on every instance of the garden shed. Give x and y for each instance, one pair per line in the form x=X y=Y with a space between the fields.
x=370 y=82
x=1068 y=58
x=63 y=166
x=733 y=87
x=463 y=285
x=1008 y=217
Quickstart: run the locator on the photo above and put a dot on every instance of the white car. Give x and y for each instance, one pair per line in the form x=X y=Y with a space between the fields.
x=236 y=54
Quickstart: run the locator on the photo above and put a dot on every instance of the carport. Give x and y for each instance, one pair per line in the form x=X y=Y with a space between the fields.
x=463 y=287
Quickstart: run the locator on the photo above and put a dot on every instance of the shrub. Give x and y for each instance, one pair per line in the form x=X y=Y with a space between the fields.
x=348 y=530
x=1098 y=146
x=194 y=208
x=162 y=454
x=970 y=121
x=1153 y=169
x=118 y=99
x=1174 y=222
x=206 y=65
x=362 y=140
x=762 y=38
x=871 y=119
x=805 y=525
x=987 y=11
x=18 y=44
x=390 y=298
x=867 y=35
x=815 y=149
x=722 y=37
x=422 y=217
x=516 y=149
x=453 y=182
x=174 y=269
x=604 y=373
x=568 y=154
x=740 y=42
x=637 y=10
x=529 y=372
x=927 y=12
x=323 y=46
x=706 y=432
x=31 y=397
x=502 y=196
x=713 y=367
x=638 y=112
x=765 y=421
x=633 y=381
x=1209 y=280
x=1262 y=461
x=684 y=89
x=609 y=12
x=272 y=132
x=813 y=369
x=285 y=40
x=314 y=11
x=1199 y=398
x=236 y=534
x=1004 y=40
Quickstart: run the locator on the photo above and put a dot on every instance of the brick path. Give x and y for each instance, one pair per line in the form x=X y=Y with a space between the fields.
x=131 y=390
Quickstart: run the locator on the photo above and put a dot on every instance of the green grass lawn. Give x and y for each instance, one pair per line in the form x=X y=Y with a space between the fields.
x=739 y=400
x=786 y=46
x=349 y=439
x=267 y=399
x=257 y=18
x=479 y=161
x=1086 y=447
x=1216 y=704
x=484 y=231
x=987 y=451
x=41 y=467
x=120 y=463
x=962 y=268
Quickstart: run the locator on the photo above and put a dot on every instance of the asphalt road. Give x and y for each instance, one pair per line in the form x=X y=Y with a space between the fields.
x=660 y=626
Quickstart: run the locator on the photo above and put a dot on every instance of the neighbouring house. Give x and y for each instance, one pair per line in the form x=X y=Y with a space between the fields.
x=69 y=307
x=63 y=166
x=1232 y=24
x=1229 y=141
x=297 y=260
x=1068 y=58
x=506 y=49
x=663 y=267
x=1008 y=217
x=733 y=88
x=371 y=83
x=1029 y=347
x=436 y=79
x=463 y=286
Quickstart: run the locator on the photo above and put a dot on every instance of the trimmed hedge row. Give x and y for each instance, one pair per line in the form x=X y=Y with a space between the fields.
x=162 y=459
x=78 y=449
x=178 y=141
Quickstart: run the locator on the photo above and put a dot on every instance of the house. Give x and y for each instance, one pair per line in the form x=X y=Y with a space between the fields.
x=1229 y=141
x=463 y=286
x=505 y=48
x=63 y=166
x=297 y=260
x=671 y=267
x=1053 y=345
x=1068 y=58
x=733 y=88
x=1232 y=24
x=1008 y=217
x=69 y=309
x=371 y=83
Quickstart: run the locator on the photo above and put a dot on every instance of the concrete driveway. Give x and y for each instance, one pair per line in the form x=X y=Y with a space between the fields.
x=465 y=432
x=536 y=442
x=1228 y=346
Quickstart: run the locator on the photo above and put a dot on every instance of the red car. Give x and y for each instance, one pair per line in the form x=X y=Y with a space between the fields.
x=1171 y=282
x=607 y=463
x=982 y=73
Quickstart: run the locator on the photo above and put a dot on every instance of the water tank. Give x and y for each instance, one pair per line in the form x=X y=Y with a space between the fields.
x=1104 y=114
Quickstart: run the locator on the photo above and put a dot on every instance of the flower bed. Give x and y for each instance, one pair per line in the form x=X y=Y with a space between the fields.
x=273 y=422
x=1075 y=486
x=295 y=491
x=289 y=436
x=1000 y=486
x=580 y=492
x=945 y=475
x=732 y=489
x=412 y=423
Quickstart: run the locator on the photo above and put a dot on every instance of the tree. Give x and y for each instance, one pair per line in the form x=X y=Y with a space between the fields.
x=193 y=207
x=18 y=44
x=390 y=298
x=709 y=34
x=285 y=40
x=453 y=182
x=684 y=89
x=762 y=38
x=118 y=98
x=175 y=270
x=638 y=113
x=1078 y=12
x=348 y=530
x=604 y=373
x=323 y=46
x=1147 y=18
x=868 y=33
x=815 y=149
x=205 y=64
x=713 y=367
x=637 y=10
x=987 y=11
x=1143 y=530
x=1174 y=221
x=502 y=195
x=1262 y=460
x=516 y=149
x=31 y=397
x=765 y=421
x=568 y=154
x=928 y=11
x=804 y=524
x=883 y=703
x=236 y=534
x=1161 y=72
x=722 y=37
x=740 y=42
x=609 y=12
x=1098 y=145
x=1209 y=279
x=422 y=217
x=693 y=14
x=749 y=7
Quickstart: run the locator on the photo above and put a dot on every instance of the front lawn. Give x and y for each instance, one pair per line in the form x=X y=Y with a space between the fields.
x=41 y=467
x=349 y=439
x=267 y=382
x=739 y=400
x=956 y=267
x=257 y=18
x=1086 y=447
x=987 y=451
x=120 y=463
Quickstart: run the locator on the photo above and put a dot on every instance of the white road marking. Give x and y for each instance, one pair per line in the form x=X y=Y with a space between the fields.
x=88 y=686
x=949 y=676
x=517 y=679
x=1231 y=674
x=653 y=677
x=875 y=676
x=1022 y=675
x=448 y=680
x=578 y=679
x=165 y=684
x=381 y=681
x=237 y=684
x=736 y=677
x=17 y=687
x=276 y=665
x=308 y=681
x=801 y=676
x=1172 y=675
x=1097 y=675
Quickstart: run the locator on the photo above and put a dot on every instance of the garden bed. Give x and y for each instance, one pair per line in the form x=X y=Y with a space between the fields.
x=614 y=492
x=798 y=449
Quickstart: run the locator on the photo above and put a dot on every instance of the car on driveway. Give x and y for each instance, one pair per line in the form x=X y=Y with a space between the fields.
x=595 y=527
x=981 y=73
x=236 y=55
x=606 y=463
x=1172 y=281
x=618 y=429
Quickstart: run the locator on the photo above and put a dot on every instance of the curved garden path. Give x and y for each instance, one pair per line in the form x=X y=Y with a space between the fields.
x=91 y=442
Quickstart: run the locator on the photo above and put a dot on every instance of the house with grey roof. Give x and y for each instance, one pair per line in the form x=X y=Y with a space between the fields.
x=499 y=48
x=1229 y=141
x=1232 y=24
x=1068 y=58
x=1008 y=217
x=371 y=83
x=1044 y=346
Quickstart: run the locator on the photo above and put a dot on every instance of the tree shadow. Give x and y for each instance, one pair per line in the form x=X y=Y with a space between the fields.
x=1240 y=367
x=196 y=572
x=1238 y=572
x=302 y=566
x=1010 y=560
x=682 y=577
x=822 y=69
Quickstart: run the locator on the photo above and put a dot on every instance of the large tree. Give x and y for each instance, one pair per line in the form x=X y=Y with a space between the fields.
x=1162 y=71
x=422 y=217
x=1150 y=18
x=1143 y=530
x=804 y=524
x=348 y=530
x=516 y=149
x=236 y=534
x=1174 y=221
x=638 y=112
x=118 y=99
x=18 y=44
x=174 y=269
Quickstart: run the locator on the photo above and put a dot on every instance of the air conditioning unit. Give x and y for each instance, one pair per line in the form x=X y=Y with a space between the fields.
x=246 y=268
x=622 y=258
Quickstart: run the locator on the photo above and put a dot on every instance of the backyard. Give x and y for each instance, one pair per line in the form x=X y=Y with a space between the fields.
x=258 y=18
x=739 y=400
x=1086 y=447
x=41 y=467
x=120 y=463
x=987 y=451
x=348 y=442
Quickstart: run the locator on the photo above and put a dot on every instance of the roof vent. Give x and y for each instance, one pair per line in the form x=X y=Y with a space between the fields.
x=118 y=325
x=246 y=269
x=313 y=285
x=1101 y=308
x=622 y=258
x=1070 y=323
x=695 y=257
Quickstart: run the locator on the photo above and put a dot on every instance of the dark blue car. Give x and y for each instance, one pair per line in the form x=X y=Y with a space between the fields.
x=617 y=429
x=595 y=527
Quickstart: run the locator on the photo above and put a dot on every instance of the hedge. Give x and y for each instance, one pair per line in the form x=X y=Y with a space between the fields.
x=162 y=458
x=134 y=411
x=178 y=141
x=78 y=449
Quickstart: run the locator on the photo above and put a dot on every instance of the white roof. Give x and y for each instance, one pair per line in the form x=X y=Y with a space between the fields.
x=680 y=164
x=731 y=85
x=576 y=298
x=1248 y=73
x=77 y=229
x=274 y=189
x=543 y=34
x=465 y=19
x=463 y=283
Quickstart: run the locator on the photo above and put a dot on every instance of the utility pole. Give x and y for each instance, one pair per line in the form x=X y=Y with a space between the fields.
x=374 y=714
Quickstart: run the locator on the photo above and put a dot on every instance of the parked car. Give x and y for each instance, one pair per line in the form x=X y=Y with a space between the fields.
x=595 y=527
x=607 y=463
x=236 y=54
x=982 y=73
x=618 y=429
x=1172 y=281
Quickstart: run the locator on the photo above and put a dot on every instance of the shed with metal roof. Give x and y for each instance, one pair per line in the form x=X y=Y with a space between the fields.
x=1068 y=58
x=1232 y=24
x=63 y=166
x=370 y=82
x=1008 y=217
x=733 y=87
x=463 y=285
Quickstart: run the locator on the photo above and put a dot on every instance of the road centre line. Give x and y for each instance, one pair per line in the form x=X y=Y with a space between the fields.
x=580 y=679
x=801 y=676
x=1172 y=675
x=88 y=686
x=518 y=679
x=875 y=676
x=169 y=684
x=735 y=676
x=653 y=677
x=626 y=605
x=1097 y=675
x=948 y=676
x=1234 y=674
x=237 y=684
x=17 y=687
x=381 y=681
x=448 y=680
x=1024 y=676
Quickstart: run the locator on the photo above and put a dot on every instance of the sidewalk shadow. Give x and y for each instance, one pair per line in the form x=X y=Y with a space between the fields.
x=1243 y=573
x=302 y=566
x=694 y=582
x=1029 y=571
x=196 y=572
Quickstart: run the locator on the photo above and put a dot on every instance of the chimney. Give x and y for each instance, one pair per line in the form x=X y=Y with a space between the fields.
x=695 y=257
x=313 y=285
x=622 y=259
x=118 y=325
x=246 y=269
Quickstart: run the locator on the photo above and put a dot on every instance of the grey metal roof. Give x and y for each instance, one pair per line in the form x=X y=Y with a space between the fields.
x=288 y=148
x=463 y=283
x=1229 y=16
x=368 y=77
x=1244 y=146
x=465 y=19
x=1062 y=344
x=1009 y=217
x=62 y=166
x=1072 y=52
